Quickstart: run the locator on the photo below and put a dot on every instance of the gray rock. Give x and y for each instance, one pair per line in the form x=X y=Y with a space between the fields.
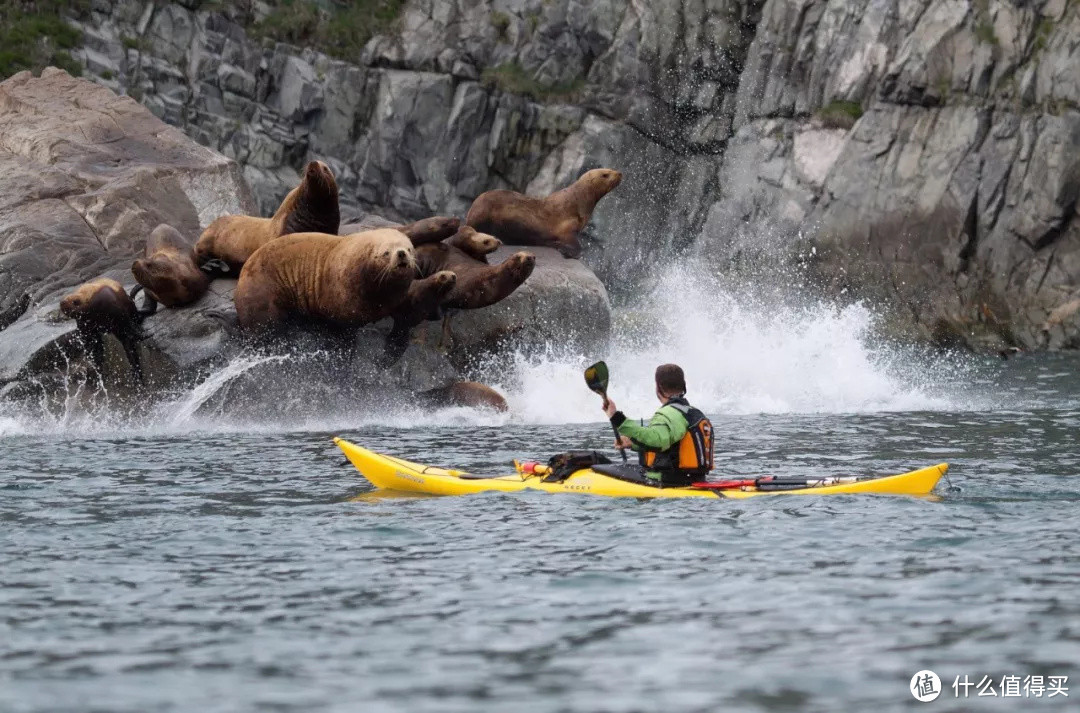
x=197 y=334
x=86 y=176
x=299 y=94
x=170 y=33
x=563 y=306
x=236 y=80
x=423 y=368
x=35 y=343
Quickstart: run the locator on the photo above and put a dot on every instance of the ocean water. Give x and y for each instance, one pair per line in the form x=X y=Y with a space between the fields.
x=188 y=562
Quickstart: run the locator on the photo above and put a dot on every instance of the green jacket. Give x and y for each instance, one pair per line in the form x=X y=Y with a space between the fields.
x=665 y=429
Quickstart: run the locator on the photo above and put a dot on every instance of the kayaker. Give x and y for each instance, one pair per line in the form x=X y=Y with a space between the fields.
x=676 y=447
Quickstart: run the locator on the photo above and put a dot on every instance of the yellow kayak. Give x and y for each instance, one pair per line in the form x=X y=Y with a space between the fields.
x=390 y=473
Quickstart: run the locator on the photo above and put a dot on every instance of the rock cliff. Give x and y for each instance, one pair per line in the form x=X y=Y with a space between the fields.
x=922 y=153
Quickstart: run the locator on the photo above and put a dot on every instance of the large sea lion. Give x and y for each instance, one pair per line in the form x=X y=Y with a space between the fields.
x=311 y=207
x=167 y=270
x=554 y=221
x=474 y=244
x=101 y=307
x=340 y=281
x=478 y=284
x=467 y=393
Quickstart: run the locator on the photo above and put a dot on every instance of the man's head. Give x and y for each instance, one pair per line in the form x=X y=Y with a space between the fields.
x=670 y=381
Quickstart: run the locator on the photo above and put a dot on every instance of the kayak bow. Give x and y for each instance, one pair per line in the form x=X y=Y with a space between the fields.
x=390 y=473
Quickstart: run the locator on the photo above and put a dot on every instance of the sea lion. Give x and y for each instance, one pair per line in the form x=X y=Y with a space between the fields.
x=478 y=284
x=431 y=230
x=340 y=281
x=423 y=301
x=474 y=244
x=467 y=393
x=311 y=207
x=101 y=307
x=428 y=230
x=554 y=221
x=167 y=271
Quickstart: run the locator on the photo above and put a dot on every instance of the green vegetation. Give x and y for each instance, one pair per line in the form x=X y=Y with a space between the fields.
x=340 y=29
x=512 y=77
x=943 y=85
x=984 y=32
x=1042 y=33
x=984 y=26
x=133 y=43
x=840 y=114
x=33 y=35
x=501 y=22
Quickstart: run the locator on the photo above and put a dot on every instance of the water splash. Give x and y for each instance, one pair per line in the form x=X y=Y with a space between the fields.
x=182 y=411
x=743 y=352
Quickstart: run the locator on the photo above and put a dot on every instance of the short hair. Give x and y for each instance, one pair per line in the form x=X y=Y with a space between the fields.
x=670 y=379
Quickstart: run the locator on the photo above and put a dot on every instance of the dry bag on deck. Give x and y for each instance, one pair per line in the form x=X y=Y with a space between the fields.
x=564 y=465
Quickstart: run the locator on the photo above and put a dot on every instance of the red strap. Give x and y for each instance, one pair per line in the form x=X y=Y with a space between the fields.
x=729 y=484
x=723 y=484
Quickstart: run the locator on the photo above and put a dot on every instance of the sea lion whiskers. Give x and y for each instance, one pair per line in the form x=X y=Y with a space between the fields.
x=394 y=263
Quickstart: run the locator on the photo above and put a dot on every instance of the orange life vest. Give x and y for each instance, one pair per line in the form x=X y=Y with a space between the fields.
x=693 y=454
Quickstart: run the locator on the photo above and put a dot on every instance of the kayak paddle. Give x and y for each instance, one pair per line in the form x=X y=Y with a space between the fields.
x=771 y=482
x=596 y=378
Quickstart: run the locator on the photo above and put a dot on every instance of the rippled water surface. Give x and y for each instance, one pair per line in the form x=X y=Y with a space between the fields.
x=241 y=572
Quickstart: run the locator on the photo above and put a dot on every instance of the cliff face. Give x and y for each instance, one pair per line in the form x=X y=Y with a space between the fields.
x=927 y=150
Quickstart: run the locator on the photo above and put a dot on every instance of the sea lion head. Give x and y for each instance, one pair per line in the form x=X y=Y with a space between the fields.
x=481 y=242
x=390 y=252
x=313 y=205
x=148 y=271
x=444 y=281
x=317 y=173
x=74 y=304
x=97 y=300
x=521 y=264
x=604 y=180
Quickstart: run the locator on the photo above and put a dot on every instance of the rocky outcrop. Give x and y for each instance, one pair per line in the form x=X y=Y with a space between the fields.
x=952 y=192
x=921 y=153
x=89 y=174
x=561 y=307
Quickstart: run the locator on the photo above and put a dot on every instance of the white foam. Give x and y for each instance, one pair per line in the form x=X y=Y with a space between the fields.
x=740 y=356
x=181 y=412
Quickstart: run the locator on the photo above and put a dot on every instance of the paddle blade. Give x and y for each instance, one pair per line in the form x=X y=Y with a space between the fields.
x=596 y=377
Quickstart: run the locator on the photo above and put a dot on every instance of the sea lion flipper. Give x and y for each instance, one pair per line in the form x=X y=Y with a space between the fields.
x=149 y=308
x=430 y=230
x=150 y=304
x=215 y=267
